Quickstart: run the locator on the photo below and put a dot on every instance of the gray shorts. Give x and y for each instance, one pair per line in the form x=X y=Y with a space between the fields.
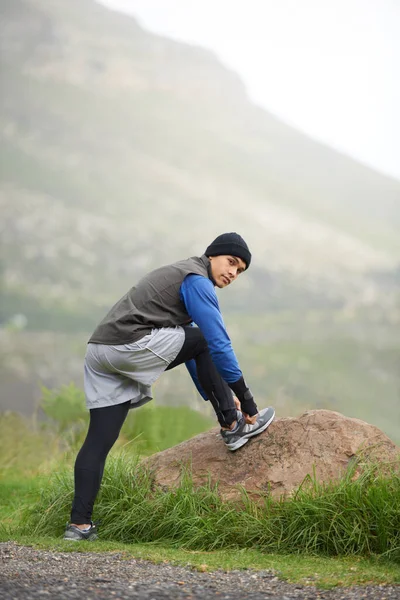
x=116 y=374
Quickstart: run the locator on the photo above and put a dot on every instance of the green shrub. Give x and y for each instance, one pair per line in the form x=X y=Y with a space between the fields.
x=153 y=428
x=69 y=417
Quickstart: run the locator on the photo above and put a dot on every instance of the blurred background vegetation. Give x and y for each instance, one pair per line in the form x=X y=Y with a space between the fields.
x=121 y=151
x=32 y=446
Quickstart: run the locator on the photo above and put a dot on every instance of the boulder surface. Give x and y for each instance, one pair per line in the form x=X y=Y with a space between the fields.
x=278 y=460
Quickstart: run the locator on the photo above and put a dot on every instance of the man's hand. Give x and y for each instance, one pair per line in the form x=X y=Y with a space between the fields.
x=237 y=403
x=249 y=420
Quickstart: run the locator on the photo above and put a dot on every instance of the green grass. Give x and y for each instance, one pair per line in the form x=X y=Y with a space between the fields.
x=26 y=448
x=342 y=533
x=358 y=517
x=16 y=494
x=194 y=528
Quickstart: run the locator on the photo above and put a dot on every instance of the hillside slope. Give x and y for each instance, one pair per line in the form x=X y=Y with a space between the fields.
x=121 y=150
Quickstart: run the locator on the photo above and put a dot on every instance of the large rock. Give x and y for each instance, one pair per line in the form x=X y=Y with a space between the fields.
x=320 y=441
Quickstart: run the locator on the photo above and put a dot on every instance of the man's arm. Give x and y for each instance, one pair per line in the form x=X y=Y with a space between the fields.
x=201 y=302
x=191 y=367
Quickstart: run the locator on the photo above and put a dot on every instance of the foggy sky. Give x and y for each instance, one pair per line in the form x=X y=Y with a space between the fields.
x=328 y=68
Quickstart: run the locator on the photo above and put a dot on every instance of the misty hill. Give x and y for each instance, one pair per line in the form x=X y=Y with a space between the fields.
x=122 y=150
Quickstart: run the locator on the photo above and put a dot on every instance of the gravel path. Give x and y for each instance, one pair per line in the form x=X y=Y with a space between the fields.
x=29 y=574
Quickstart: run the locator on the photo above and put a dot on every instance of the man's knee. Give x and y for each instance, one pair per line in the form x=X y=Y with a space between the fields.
x=196 y=340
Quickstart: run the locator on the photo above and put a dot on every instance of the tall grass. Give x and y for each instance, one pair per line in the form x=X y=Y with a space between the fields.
x=353 y=516
x=358 y=516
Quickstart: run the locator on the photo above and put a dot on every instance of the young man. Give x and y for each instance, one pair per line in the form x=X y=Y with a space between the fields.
x=150 y=330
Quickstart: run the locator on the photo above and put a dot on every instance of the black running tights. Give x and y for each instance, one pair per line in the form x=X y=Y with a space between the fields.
x=104 y=427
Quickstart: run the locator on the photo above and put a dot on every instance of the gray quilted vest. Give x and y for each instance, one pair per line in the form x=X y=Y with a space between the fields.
x=153 y=303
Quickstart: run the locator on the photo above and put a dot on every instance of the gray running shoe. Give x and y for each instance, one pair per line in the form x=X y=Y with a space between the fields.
x=241 y=435
x=74 y=534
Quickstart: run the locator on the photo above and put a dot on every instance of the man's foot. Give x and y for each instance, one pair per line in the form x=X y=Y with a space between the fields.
x=74 y=534
x=240 y=435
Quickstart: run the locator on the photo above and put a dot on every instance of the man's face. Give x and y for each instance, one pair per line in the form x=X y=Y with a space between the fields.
x=225 y=269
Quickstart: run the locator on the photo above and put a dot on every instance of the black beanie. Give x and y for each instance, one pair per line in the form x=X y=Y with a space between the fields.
x=231 y=244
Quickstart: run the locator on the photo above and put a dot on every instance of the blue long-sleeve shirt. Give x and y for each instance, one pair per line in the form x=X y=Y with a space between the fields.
x=201 y=302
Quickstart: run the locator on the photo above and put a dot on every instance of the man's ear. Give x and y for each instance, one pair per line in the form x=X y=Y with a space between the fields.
x=210 y=257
